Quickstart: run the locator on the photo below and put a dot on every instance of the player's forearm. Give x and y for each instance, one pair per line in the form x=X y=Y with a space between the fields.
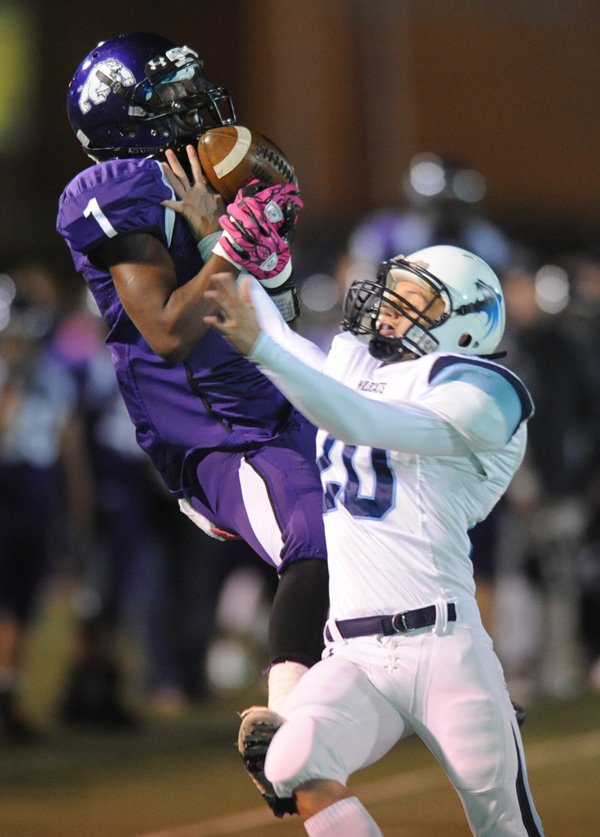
x=169 y=317
x=351 y=417
x=180 y=323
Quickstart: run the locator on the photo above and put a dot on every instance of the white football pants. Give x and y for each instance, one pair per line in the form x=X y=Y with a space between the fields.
x=446 y=685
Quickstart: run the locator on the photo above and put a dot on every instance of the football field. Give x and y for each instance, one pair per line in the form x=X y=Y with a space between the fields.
x=183 y=778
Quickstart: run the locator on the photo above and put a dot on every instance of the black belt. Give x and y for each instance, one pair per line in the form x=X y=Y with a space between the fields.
x=398 y=623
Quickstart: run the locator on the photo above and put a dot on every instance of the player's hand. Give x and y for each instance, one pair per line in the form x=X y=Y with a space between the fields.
x=252 y=231
x=198 y=203
x=236 y=318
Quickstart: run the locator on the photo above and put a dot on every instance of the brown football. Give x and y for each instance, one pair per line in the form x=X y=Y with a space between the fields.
x=233 y=155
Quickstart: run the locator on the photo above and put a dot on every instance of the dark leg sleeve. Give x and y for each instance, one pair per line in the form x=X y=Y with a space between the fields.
x=299 y=612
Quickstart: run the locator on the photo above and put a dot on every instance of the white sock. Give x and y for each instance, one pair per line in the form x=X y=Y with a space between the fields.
x=282 y=679
x=346 y=818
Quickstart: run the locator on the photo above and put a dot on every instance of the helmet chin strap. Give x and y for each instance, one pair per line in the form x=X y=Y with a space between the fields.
x=423 y=340
x=417 y=342
x=494 y=355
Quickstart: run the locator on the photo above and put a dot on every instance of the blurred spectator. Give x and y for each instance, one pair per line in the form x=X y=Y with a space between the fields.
x=545 y=512
x=120 y=577
x=147 y=581
x=583 y=323
x=43 y=483
x=443 y=204
x=120 y=560
x=210 y=617
x=440 y=202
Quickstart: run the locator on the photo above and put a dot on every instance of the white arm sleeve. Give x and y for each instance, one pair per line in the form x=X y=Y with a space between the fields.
x=351 y=417
x=273 y=324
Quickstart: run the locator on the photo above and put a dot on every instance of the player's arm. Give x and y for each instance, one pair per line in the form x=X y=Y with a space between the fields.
x=168 y=316
x=344 y=413
x=350 y=416
x=477 y=412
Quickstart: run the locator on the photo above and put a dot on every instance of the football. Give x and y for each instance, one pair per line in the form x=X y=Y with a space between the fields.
x=233 y=155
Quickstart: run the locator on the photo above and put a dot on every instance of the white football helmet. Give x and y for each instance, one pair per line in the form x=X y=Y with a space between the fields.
x=474 y=313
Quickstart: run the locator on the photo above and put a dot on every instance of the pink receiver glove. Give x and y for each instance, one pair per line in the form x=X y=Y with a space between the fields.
x=257 y=230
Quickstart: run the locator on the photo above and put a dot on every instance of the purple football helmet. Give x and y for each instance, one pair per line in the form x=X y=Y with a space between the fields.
x=136 y=95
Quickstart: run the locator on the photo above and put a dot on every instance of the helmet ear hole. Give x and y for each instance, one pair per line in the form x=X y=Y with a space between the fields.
x=465 y=340
x=126 y=129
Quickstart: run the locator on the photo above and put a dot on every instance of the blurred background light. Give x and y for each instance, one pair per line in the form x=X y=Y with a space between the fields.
x=469 y=185
x=320 y=292
x=552 y=289
x=427 y=176
x=17 y=71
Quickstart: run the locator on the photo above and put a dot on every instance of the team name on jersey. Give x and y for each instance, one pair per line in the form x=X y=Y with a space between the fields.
x=372 y=386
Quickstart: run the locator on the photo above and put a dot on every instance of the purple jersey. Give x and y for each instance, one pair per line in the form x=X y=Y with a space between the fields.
x=215 y=399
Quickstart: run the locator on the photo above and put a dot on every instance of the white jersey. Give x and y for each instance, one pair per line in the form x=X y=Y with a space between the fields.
x=412 y=455
x=397 y=523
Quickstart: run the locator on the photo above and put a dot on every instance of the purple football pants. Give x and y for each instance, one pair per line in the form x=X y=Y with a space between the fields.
x=270 y=496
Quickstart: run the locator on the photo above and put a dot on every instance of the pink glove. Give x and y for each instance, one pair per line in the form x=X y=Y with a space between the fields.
x=257 y=230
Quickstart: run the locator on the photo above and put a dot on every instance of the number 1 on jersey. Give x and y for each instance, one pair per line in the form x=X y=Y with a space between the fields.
x=93 y=209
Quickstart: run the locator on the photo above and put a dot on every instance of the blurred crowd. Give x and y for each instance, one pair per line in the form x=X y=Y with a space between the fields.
x=159 y=612
x=83 y=515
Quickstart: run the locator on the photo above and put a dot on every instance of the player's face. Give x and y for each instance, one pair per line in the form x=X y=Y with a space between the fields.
x=187 y=87
x=414 y=300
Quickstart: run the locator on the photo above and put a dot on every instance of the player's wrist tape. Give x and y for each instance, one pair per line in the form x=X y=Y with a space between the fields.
x=286 y=299
x=206 y=245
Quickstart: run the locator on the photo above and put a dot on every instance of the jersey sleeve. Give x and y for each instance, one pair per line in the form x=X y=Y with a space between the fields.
x=115 y=198
x=484 y=402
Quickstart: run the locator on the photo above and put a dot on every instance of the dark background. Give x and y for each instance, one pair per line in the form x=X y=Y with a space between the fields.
x=351 y=89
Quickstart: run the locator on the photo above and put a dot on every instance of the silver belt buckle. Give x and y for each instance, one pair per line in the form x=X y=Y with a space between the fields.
x=403 y=628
